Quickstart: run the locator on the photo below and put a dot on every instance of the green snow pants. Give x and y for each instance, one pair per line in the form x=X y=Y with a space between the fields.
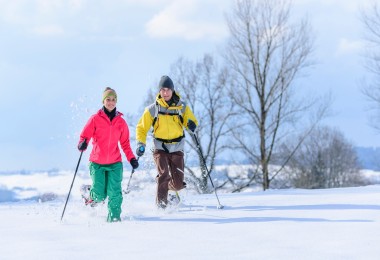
x=106 y=181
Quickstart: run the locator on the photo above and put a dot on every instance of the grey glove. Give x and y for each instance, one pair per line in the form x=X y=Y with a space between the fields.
x=140 y=150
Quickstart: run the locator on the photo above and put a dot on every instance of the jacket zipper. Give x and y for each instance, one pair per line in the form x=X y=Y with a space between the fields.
x=109 y=138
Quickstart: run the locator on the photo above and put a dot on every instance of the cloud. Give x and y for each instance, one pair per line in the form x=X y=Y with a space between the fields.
x=48 y=30
x=40 y=17
x=57 y=17
x=11 y=12
x=188 y=20
x=48 y=7
x=346 y=47
x=183 y=19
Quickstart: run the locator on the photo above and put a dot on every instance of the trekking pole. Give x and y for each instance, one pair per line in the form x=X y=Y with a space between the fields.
x=220 y=206
x=68 y=195
x=126 y=191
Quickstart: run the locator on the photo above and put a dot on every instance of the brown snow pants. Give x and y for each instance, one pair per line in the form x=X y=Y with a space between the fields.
x=170 y=168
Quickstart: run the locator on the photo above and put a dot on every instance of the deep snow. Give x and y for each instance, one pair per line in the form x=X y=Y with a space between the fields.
x=276 y=224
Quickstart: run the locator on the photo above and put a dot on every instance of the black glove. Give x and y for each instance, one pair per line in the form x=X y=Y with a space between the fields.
x=140 y=150
x=134 y=163
x=82 y=146
x=191 y=125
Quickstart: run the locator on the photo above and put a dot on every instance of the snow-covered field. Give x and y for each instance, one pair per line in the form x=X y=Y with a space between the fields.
x=276 y=224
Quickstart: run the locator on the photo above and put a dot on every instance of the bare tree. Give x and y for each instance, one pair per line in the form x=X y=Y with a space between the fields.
x=371 y=22
x=203 y=85
x=325 y=160
x=266 y=53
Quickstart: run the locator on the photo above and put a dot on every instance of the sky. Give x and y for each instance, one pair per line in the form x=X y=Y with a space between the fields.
x=276 y=224
x=57 y=56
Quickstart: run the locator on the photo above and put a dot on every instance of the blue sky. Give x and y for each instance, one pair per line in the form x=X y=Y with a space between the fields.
x=57 y=56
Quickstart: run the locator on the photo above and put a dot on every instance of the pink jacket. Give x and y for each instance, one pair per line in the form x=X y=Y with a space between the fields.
x=106 y=136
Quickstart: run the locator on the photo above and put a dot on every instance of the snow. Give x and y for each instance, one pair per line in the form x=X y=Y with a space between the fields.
x=276 y=224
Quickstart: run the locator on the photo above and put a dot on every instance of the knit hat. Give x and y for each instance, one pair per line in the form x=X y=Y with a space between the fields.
x=166 y=82
x=109 y=92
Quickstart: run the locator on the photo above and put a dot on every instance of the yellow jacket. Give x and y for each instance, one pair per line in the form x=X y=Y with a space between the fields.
x=169 y=124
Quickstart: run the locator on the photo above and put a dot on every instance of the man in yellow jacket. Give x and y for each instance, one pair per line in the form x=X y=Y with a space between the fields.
x=168 y=116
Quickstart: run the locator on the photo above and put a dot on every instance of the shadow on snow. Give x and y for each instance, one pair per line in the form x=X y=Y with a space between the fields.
x=225 y=220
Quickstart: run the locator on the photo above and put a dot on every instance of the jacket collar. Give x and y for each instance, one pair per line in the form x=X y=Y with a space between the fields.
x=103 y=114
x=161 y=101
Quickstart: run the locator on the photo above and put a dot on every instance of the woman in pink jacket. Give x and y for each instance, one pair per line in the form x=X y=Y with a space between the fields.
x=107 y=128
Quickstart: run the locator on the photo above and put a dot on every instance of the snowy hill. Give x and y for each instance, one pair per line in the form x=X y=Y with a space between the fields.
x=275 y=224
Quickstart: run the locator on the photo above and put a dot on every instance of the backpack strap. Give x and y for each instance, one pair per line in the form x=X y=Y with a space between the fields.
x=156 y=111
x=179 y=111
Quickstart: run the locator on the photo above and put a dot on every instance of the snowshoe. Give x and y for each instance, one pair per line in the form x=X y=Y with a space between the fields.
x=174 y=199
x=90 y=202
x=161 y=205
x=85 y=192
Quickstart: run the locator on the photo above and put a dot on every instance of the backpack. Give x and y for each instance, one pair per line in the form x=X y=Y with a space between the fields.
x=178 y=113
